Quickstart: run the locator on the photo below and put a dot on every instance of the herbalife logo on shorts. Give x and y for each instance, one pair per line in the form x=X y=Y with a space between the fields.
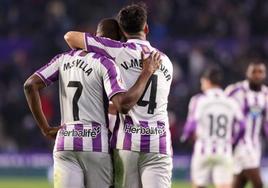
x=89 y=132
x=133 y=129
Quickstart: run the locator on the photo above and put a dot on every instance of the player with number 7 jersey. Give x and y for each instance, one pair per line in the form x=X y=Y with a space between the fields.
x=86 y=82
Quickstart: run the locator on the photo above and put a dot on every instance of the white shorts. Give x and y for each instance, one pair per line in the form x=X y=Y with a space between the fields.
x=82 y=170
x=246 y=157
x=216 y=169
x=137 y=170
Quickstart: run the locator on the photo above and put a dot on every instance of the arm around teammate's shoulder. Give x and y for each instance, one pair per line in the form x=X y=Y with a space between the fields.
x=126 y=100
x=75 y=39
x=98 y=44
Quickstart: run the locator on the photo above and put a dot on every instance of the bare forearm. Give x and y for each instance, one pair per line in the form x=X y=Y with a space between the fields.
x=125 y=101
x=134 y=93
x=75 y=39
x=34 y=102
x=31 y=89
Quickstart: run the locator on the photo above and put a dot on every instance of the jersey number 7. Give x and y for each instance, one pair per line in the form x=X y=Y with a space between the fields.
x=77 y=95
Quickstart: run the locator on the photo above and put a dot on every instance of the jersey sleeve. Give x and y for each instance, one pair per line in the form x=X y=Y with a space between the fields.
x=230 y=89
x=104 y=46
x=239 y=116
x=50 y=72
x=192 y=109
x=239 y=123
x=265 y=122
x=236 y=92
x=112 y=80
x=191 y=121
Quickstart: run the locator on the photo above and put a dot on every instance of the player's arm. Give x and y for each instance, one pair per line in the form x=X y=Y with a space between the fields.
x=43 y=77
x=188 y=130
x=124 y=101
x=32 y=86
x=112 y=109
x=75 y=39
x=239 y=134
x=92 y=43
x=190 y=125
x=265 y=122
x=236 y=92
x=239 y=124
x=265 y=129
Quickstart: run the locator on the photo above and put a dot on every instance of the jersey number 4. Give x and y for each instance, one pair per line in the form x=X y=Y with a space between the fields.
x=77 y=95
x=152 y=104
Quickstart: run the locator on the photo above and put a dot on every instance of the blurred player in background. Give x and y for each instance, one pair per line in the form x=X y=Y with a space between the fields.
x=213 y=117
x=141 y=139
x=252 y=96
x=86 y=82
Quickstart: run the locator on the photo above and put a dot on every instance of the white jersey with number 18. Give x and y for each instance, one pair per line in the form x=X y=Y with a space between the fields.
x=215 y=117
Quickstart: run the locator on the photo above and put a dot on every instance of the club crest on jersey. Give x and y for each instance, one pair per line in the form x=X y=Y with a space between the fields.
x=255 y=111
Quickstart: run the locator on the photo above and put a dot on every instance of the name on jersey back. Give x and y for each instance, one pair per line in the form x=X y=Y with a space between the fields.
x=138 y=63
x=78 y=63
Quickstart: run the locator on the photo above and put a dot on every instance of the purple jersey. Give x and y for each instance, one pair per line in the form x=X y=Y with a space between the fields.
x=254 y=105
x=146 y=127
x=86 y=82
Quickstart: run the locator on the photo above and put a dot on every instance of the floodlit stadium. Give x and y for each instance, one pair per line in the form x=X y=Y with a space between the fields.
x=171 y=93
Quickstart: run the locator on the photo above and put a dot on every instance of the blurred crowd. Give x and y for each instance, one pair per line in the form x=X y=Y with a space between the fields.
x=193 y=33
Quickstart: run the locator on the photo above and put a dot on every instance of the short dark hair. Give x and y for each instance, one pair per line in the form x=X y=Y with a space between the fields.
x=214 y=74
x=132 y=18
x=109 y=28
x=256 y=62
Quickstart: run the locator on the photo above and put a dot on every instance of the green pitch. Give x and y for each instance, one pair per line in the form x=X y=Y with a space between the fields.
x=43 y=183
x=24 y=183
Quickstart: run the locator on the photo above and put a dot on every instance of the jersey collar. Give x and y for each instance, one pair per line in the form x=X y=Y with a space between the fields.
x=214 y=91
x=246 y=85
x=139 y=41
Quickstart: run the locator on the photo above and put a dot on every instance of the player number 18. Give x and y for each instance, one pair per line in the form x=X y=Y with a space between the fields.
x=218 y=125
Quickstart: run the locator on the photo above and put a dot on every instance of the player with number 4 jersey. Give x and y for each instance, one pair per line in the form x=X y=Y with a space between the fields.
x=213 y=117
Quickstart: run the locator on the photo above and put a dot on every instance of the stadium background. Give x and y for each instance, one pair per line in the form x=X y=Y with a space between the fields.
x=193 y=33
